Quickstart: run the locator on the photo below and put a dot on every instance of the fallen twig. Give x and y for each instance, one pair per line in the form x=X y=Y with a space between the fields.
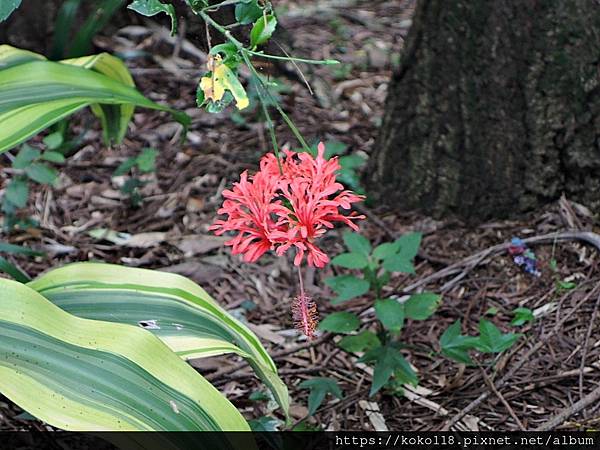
x=559 y=418
x=511 y=411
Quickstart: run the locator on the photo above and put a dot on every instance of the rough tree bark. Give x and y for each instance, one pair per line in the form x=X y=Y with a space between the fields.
x=495 y=109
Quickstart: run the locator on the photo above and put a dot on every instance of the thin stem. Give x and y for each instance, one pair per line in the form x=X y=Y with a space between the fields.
x=325 y=62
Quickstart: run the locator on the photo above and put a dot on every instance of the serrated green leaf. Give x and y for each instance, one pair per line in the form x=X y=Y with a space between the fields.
x=262 y=30
x=150 y=8
x=347 y=287
x=456 y=346
x=357 y=243
x=361 y=342
x=422 y=306
x=388 y=360
x=17 y=192
x=319 y=387
x=385 y=250
x=398 y=263
x=350 y=261
x=390 y=313
x=340 y=322
x=491 y=339
x=409 y=244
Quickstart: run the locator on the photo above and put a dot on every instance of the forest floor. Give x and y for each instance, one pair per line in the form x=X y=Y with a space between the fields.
x=554 y=364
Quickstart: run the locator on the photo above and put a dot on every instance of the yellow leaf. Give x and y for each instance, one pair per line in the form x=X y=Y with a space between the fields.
x=221 y=79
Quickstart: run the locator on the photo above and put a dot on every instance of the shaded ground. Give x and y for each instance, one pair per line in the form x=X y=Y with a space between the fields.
x=181 y=199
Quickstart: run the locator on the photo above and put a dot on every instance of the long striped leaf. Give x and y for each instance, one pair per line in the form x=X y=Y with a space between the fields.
x=176 y=309
x=114 y=118
x=80 y=374
x=36 y=94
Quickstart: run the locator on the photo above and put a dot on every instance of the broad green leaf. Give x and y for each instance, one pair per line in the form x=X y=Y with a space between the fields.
x=84 y=375
x=150 y=8
x=26 y=156
x=361 y=342
x=41 y=173
x=17 y=192
x=246 y=13
x=385 y=250
x=409 y=244
x=390 y=313
x=422 y=306
x=388 y=360
x=262 y=30
x=350 y=261
x=398 y=263
x=175 y=309
x=340 y=322
x=7 y=7
x=522 y=316
x=347 y=287
x=456 y=346
x=357 y=243
x=35 y=95
x=319 y=387
x=491 y=339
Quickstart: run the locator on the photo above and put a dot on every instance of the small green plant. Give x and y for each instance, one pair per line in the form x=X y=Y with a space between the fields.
x=381 y=346
x=142 y=164
x=522 y=316
x=30 y=165
x=490 y=341
x=319 y=387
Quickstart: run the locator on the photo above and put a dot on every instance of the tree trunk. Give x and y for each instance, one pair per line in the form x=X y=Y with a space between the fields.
x=495 y=109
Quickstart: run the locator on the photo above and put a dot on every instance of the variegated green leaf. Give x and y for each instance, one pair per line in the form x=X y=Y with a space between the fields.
x=174 y=308
x=34 y=94
x=79 y=374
